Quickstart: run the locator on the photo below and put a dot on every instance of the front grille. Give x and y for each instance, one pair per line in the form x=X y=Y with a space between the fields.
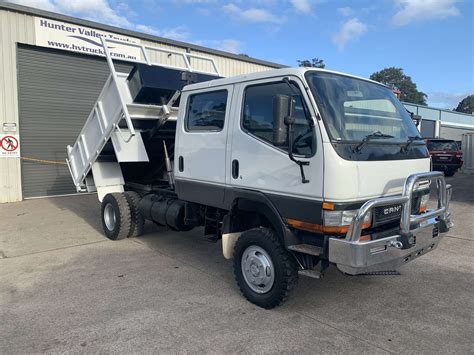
x=384 y=214
x=390 y=213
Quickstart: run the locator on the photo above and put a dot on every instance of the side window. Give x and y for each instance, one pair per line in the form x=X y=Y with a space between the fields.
x=206 y=111
x=258 y=116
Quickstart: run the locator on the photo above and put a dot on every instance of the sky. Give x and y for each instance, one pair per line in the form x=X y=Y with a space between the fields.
x=432 y=40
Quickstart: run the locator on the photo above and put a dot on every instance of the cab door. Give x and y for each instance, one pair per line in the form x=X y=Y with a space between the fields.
x=201 y=139
x=256 y=162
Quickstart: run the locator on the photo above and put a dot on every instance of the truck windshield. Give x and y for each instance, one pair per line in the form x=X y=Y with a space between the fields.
x=353 y=109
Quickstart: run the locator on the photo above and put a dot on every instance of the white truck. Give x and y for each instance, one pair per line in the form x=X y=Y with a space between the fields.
x=294 y=169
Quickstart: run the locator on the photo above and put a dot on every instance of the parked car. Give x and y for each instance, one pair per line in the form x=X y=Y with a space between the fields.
x=446 y=155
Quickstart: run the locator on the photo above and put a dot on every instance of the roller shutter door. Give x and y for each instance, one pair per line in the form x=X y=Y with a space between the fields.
x=57 y=90
x=428 y=128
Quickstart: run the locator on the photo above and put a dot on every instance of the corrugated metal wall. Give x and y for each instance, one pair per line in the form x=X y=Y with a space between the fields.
x=228 y=66
x=468 y=150
x=453 y=123
x=19 y=28
x=57 y=91
x=14 y=28
x=455 y=133
x=164 y=58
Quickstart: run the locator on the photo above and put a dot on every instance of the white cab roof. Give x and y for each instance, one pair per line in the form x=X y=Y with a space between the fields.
x=299 y=72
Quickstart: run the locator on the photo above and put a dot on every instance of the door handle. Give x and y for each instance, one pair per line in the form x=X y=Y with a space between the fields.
x=181 y=164
x=235 y=168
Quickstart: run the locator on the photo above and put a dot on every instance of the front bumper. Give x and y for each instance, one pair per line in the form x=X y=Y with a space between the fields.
x=419 y=234
x=384 y=254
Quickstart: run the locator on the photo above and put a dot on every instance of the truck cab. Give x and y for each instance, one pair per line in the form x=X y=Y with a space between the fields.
x=335 y=159
x=293 y=169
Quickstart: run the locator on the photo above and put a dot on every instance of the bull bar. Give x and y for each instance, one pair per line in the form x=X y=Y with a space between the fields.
x=418 y=233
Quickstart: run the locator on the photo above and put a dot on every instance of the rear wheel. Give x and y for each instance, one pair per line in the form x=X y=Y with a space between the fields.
x=265 y=272
x=137 y=220
x=116 y=216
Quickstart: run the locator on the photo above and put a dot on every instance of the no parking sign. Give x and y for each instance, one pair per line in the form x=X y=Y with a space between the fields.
x=9 y=146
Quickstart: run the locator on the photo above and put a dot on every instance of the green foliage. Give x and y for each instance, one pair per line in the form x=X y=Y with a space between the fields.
x=466 y=105
x=313 y=63
x=395 y=78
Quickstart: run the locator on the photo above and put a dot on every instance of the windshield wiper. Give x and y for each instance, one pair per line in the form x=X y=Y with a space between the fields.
x=375 y=135
x=410 y=140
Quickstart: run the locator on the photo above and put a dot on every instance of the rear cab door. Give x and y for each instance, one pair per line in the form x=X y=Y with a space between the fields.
x=201 y=139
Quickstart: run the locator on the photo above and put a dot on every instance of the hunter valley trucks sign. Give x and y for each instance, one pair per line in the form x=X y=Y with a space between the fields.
x=75 y=38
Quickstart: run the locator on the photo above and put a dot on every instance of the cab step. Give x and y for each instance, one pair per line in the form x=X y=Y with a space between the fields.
x=306 y=249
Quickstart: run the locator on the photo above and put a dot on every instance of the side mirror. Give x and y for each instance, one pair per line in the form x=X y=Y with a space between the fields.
x=282 y=113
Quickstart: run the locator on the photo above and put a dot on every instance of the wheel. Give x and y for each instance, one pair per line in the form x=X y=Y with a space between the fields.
x=449 y=172
x=265 y=272
x=116 y=216
x=137 y=220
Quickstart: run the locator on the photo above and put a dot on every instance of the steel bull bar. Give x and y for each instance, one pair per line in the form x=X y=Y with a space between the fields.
x=418 y=233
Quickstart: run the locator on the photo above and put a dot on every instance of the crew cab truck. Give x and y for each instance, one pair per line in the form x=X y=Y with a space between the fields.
x=294 y=169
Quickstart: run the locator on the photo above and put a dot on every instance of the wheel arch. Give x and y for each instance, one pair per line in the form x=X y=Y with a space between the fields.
x=256 y=203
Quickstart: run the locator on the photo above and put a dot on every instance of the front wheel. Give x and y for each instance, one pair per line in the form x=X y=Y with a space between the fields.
x=265 y=272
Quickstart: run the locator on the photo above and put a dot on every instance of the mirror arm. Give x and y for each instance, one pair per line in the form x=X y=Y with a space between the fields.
x=291 y=156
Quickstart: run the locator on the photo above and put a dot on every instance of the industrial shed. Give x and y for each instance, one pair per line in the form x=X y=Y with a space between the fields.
x=52 y=71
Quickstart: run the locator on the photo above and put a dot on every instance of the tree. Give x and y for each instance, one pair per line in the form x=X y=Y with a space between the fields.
x=396 y=78
x=466 y=105
x=313 y=63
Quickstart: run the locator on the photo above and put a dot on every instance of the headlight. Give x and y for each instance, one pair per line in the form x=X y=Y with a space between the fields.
x=342 y=219
x=337 y=222
x=424 y=203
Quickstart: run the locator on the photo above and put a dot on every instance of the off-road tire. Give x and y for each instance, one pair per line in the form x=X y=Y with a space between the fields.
x=286 y=274
x=137 y=220
x=121 y=208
